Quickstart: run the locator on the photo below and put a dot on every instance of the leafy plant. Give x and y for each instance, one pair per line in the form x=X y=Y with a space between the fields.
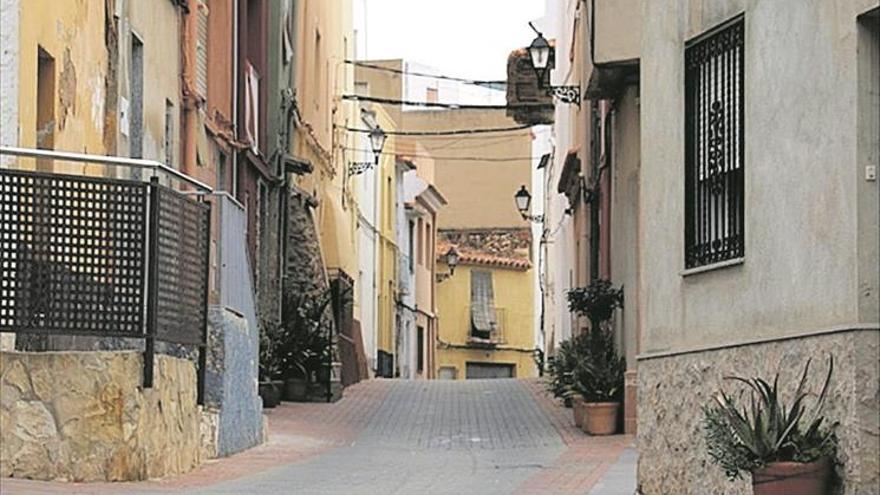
x=303 y=342
x=560 y=367
x=597 y=301
x=270 y=358
x=598 y=374
x=741 y=439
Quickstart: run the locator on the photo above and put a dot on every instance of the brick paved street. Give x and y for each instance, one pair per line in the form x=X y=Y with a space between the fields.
x=493 y=436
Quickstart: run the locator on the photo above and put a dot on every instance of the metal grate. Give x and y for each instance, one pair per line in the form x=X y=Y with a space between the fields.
x=714 y=108
x=182 y=266
x=72 y=254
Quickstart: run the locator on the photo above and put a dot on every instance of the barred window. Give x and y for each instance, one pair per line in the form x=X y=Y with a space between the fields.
x=714 y=192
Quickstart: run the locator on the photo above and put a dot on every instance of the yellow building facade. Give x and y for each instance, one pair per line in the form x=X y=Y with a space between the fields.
x=462 y=352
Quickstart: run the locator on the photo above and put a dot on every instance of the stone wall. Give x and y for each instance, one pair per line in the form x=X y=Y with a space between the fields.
x=83 y=416
x=671 y=391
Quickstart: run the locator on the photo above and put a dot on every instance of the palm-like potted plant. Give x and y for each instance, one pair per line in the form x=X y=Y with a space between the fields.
x=598 y=375
x=787 y=447
x=597 y=382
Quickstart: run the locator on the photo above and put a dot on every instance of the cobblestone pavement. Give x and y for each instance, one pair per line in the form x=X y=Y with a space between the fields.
x=481 y=436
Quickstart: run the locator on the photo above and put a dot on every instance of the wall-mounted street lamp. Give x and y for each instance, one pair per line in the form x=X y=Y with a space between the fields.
x=377 y=142
x=539 y=54
x=451 y=261
x=523 y=200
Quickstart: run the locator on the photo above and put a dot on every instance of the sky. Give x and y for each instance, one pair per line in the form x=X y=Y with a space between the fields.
x=464 y=38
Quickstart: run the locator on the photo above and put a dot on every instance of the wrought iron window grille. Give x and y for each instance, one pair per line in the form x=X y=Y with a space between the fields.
x=714 y=146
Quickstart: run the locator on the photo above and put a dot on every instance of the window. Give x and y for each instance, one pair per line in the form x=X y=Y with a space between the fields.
x=421 y=244
x=431 y=95
x=714 y=108
x=45 y=130
x=427 y=242
x=484 y=321
x=420 y=351
x=169 y=133
x=136 y=92
x=412 y=240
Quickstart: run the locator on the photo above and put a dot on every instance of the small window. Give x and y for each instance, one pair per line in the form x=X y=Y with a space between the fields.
x=169 y=133
x=431 y=95
x=484 y=321
x=714 y=138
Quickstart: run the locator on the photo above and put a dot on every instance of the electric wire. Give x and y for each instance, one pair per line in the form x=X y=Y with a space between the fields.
x=462 y=158
x=475 y=82
x=455 y=106
x=453 y=132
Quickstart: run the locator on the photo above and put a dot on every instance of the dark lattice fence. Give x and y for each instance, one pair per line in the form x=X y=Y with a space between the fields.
x=103 y=257
x=182 y=264
x=72 y=255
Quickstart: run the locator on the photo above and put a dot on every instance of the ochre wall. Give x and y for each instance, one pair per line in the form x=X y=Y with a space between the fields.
x=514 y=299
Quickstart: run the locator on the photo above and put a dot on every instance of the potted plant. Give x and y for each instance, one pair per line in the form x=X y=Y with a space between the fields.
x=304 y=344
x=270 y=365
x=559 y=369
x=597 y=380
x=786 y=446
x=597 y=376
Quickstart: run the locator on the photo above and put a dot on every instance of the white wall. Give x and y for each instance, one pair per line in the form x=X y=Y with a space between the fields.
x=9 y=49
x=367 y=189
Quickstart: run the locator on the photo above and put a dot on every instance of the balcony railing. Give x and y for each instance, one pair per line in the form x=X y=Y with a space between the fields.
x=492 y=337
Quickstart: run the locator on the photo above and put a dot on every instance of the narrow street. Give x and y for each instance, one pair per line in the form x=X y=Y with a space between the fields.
x=479 y=436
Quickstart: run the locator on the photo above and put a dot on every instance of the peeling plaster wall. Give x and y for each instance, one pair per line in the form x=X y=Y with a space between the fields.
x=157 y=25
x=73 y=34
x=84 y=416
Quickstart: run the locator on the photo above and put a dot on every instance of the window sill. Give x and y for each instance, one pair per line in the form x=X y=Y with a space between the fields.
x=713 y=266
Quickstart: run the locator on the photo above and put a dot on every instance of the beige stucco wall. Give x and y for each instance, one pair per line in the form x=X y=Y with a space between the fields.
x=157 y=25
x=470 y=185
x=800 y=272
x=618 y=30
x=84 y=416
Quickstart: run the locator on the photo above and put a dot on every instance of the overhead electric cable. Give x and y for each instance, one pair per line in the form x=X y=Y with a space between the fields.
x=454 y=132
x=462 y=158
x=455 y=106
x=475 y=82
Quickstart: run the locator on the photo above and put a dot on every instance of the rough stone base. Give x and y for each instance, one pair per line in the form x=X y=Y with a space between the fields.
x=671 y=391
x=83 y=416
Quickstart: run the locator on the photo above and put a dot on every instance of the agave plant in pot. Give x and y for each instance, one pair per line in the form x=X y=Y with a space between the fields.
x=787 y=446
x=304 y=342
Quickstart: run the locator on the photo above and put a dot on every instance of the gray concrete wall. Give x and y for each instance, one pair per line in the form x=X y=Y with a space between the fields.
x=800 y=271
x=624 y=218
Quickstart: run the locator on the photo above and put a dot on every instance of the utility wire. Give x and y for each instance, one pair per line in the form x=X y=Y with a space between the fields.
x=462 y=158
x=475 y=82
x=456 y=106
x=453 y=132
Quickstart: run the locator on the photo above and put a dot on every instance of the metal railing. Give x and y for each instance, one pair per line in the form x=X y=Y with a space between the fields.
x=104 y=257
x=494 y=336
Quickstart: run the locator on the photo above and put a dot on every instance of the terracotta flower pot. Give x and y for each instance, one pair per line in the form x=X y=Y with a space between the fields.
x=601 y=418
x=790 y=478
x=578 y=409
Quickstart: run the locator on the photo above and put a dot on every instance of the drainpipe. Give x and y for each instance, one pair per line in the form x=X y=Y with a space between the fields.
x=235 y=74
x=190 y=99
